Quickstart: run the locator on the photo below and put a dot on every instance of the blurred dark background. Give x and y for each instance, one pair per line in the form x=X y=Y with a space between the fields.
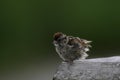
x=27 y=28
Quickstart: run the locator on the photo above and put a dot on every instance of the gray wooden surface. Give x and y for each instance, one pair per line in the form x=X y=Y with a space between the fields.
x=90 y=69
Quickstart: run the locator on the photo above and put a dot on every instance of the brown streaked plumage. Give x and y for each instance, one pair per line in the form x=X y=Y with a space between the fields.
x=70 y=48
x=57 y=35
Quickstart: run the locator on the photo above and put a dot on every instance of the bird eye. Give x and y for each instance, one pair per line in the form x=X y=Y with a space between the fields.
x=58 y=40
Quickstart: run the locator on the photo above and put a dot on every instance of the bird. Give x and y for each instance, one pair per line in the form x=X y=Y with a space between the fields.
x=70 y=48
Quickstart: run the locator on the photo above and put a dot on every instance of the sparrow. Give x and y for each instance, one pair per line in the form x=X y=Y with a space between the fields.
x=70 y=48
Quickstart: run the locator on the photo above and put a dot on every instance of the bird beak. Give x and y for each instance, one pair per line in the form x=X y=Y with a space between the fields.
x=55 y=43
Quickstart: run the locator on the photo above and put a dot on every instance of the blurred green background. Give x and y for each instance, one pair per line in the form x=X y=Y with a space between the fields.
x=27 y=28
